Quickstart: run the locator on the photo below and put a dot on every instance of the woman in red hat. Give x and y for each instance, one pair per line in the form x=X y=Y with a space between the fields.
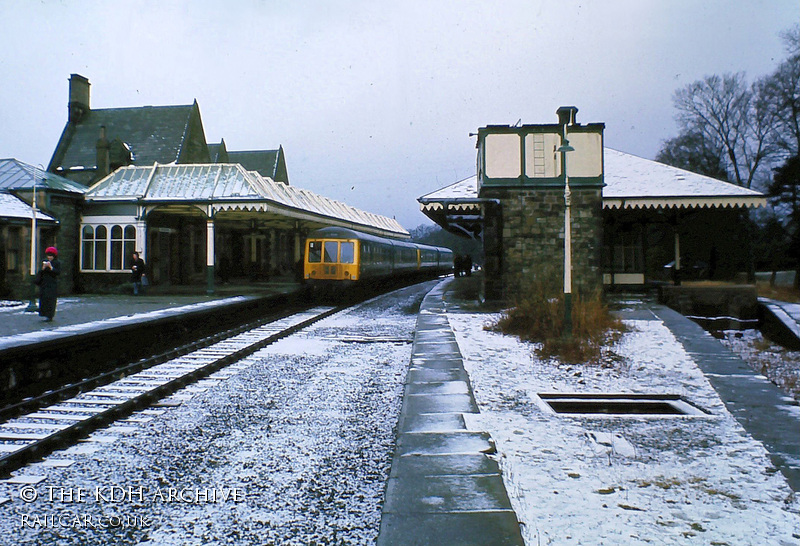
x=47 y=279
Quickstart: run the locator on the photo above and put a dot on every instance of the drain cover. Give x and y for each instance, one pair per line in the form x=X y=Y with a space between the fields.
x=619 y=404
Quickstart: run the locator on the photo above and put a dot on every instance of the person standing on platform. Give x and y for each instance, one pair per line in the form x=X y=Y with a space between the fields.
x=137 y=272
x=47 y=279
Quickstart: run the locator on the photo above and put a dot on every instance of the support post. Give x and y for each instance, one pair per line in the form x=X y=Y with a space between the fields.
x=677 y=269
x=32 y=307
x=210 y=256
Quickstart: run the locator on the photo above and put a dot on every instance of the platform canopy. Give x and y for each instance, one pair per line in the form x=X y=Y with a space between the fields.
x=630 y=182
x=456 y=207
x=634 y=182
x=240 y=194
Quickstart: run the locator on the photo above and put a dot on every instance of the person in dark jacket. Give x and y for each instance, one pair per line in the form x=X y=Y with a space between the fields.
x=47 y=279
x=137 y=271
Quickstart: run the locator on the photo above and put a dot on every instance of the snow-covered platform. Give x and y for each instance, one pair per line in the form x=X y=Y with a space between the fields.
x=715 y=475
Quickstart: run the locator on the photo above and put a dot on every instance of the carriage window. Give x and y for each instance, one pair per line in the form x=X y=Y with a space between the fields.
x=348 y=253
x=331 y=251
x=314 y=252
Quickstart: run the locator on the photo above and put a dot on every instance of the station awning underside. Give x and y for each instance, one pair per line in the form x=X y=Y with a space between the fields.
x=456 y=207
x=231 y=192
x=630 y=183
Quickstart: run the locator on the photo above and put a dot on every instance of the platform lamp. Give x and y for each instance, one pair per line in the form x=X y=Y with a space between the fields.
x=32 y=308
x=563 y=149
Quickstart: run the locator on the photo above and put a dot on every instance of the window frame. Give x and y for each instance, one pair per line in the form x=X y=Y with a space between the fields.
x=105 y=252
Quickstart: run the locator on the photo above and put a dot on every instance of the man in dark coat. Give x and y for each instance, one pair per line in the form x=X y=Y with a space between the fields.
x=47 y=279
x=137 y=272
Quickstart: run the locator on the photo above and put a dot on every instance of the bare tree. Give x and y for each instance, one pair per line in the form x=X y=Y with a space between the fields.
x=693 y=152
x=781 y=90
x=731 y=116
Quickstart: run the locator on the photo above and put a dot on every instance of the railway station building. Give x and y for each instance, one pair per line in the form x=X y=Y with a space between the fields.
x=632 y=221
x=146 y=179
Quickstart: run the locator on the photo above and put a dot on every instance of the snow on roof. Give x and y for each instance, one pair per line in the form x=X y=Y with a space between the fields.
x=17 y=175
x=631 y=182
x=230 y=187
x=14 y=207
x=461 y=196
x=634 y=182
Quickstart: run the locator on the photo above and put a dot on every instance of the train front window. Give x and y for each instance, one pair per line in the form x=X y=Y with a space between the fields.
x=314 y=252
x=331 y=251
x=348 y=253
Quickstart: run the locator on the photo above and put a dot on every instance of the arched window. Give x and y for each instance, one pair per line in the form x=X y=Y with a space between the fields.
x=107 y=248
x=100 y=246
x=87 y=247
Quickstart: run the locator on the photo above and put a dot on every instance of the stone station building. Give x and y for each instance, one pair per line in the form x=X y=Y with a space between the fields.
x=146 y=179
x=629 y=217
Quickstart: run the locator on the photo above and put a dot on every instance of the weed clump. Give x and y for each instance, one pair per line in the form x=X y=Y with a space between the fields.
x=537 y=314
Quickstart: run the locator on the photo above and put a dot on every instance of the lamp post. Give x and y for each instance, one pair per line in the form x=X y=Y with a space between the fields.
x=32 y=303
x=564 y=148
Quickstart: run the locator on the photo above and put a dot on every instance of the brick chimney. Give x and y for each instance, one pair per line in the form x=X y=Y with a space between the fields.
x=566 y=115
x=103 y=154
x=78 y=97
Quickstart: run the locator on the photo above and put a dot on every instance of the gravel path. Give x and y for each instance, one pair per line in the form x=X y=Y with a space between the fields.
x=294 y=449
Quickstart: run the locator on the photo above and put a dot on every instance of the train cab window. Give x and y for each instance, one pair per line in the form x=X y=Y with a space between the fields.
x=314 y=252
x=348 y=253
x=331 y=251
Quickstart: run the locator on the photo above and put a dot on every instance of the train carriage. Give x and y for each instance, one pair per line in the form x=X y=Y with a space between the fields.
x=341 y=256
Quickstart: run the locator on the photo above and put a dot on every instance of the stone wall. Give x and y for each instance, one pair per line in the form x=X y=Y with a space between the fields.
x=532 y=237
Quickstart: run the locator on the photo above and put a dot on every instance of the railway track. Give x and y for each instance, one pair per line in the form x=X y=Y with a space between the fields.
x=53 y=422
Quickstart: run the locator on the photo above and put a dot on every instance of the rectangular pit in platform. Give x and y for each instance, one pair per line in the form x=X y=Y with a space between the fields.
x=599 y=404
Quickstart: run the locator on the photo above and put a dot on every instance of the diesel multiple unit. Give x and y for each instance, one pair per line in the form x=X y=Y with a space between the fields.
x=337 y=255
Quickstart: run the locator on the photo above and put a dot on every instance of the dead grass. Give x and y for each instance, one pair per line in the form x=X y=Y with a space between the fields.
x=780 y=293
x=538 y=315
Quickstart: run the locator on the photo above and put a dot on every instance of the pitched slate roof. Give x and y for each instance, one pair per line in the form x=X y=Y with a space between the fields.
x=269 y=163
x=153 y=133
x=16 y=175
x=230 y=187
x=12 y=207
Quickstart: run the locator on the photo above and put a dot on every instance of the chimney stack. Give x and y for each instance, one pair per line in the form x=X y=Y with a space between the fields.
x=566 y=115
x=78 y=98
x=103 y=154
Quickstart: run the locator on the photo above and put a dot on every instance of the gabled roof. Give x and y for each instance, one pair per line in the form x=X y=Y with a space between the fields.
x=153 y=134
x=12 y=207
x=229 y=187
x=16 y=175
x=269 y=163
x=218 y=153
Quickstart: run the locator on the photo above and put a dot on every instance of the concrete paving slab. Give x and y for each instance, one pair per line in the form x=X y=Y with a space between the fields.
x=445 y=465
x=441 y=363
x=425 y=375
x=444 y=443
x=438 y=494
x=436 y=422
x=440 y=403
x=438 y=387
x=498 y=528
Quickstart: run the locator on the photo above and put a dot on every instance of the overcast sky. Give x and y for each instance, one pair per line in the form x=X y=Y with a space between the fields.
x=373 y=101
